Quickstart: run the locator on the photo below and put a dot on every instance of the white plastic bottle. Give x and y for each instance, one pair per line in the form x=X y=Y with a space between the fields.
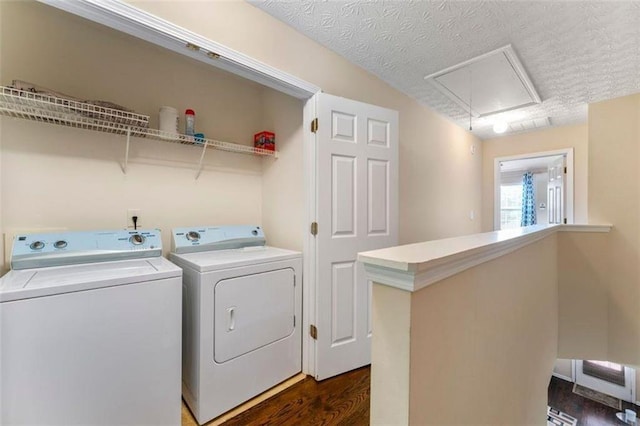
x=168 y=122
x=189 y=122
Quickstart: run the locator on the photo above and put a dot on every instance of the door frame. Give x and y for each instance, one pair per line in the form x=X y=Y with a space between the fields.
x=567 y=152
x=309 y=258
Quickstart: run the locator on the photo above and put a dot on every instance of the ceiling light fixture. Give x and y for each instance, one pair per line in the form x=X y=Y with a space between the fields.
x=500 y=127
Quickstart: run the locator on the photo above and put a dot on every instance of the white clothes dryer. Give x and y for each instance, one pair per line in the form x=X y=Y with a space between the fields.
x=90 y=329
x=241 y=316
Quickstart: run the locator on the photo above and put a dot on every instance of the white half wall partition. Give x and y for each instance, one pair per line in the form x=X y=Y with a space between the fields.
x=455 y=319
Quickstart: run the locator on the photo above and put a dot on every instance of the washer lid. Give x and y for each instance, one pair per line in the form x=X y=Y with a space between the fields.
x=223 y=259
x=38 y=282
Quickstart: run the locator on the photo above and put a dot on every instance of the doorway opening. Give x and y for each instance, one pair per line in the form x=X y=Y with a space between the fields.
x=533 y=189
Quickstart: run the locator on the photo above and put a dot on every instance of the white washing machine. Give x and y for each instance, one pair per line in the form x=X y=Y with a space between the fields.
x=90 y=330
x=241 y=316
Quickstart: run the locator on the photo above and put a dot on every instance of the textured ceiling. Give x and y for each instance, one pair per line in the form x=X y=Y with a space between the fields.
x=576 y=52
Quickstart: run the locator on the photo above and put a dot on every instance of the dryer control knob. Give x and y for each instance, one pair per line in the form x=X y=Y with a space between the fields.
x=254 y=232
x=193 y=236
x=37 y=245
x=137 y=239
x=60 y=244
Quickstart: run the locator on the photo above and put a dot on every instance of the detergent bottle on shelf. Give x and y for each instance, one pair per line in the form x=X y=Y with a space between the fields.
x=189 y=122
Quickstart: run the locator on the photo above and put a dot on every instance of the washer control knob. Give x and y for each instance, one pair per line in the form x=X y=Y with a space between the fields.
x=37 y=245
x=136 y=239
x=193 y=236
x=254 y=232
x=60 y=244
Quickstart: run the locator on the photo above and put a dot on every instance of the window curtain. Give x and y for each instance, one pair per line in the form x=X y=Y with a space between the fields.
x=528 y=200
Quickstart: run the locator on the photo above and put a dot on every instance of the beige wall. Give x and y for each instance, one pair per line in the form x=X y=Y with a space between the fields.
x=476 y=338
x=583 y=294
x=587 y=286
x=435 y=158
x=56 y=177
x=545 y=140
x=283 y=195
x=614 y=197
x=599 y=274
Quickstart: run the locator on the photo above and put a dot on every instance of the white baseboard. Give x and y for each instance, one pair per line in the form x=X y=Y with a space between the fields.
x=560 y=376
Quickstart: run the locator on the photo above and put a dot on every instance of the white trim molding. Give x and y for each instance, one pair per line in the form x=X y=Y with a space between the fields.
x=585 y=228
x=563 y=377
x=415 y=266
x=309 y=247
x=129 y=19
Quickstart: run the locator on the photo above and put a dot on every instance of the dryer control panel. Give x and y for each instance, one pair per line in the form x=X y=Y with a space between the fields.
x=68 y=248
x=206 y=238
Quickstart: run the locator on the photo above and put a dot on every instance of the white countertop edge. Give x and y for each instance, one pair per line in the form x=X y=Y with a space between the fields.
x=386 y=266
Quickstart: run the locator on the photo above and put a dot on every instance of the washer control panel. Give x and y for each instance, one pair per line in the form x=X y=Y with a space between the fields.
x=206 y=238
x=57 y=249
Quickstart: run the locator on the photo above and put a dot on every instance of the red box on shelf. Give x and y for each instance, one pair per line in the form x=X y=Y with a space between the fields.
x=265 y=140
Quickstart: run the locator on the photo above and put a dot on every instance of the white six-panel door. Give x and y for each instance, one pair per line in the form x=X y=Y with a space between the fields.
x=555 y=191
x=357 y=199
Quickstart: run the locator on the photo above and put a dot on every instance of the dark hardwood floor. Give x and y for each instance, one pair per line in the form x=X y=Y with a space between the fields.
x=341 y=400
x=588 y=412
x=344 y=400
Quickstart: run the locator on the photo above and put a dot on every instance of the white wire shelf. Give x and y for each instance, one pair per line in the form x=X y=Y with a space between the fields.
x=190 y=140
x=64 y=112
x=25 y=103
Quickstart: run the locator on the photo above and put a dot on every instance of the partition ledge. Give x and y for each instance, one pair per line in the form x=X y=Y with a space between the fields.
x=415 y=266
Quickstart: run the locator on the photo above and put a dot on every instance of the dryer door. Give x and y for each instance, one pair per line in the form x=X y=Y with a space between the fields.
x=252 y=311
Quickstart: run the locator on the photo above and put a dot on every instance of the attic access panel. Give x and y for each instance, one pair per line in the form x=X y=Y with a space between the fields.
x=498 y=80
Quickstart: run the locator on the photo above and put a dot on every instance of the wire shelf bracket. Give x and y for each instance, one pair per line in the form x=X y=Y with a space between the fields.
x=126 y=152
x=204 y=150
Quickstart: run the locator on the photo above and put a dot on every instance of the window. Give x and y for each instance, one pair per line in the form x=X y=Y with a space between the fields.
x=604 y=370
x=510 y=206
x=607 y=377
